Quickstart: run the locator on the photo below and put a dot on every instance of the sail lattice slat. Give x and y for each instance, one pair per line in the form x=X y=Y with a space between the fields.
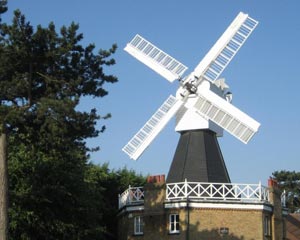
x=216 y=60
x=152 y=127
x=155 y=58
x=224 y=114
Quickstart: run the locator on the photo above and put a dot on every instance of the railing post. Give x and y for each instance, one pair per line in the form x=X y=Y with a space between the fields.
x=235 y=190
x=260 y=190
x=167 y=191
x=283 y=198
x=129 y=194
x=223 y=191
x=138 y=194
x=185 y=188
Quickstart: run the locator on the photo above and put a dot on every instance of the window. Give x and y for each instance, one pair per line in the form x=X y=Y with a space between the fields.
x=138 y=225
x=267 y=229
x=174 y=223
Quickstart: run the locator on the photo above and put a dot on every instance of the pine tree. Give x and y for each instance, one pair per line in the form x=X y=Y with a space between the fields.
x=43 y=76
x=3 y=165
x=289 y=182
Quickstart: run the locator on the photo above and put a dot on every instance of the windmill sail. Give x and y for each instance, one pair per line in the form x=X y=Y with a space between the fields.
x=207 y=104
x=212 y=107
x=136 y=146
x=220 y=55
x=156 y=59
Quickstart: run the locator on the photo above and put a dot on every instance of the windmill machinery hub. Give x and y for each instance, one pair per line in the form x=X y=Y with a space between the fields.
x=200 y=102
x=188 y=118
x=192 y=88
x=189 y=85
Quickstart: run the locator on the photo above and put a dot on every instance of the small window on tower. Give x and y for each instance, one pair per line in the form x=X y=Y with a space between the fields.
x=174 y=223
x=267 y=228
x=138 y=225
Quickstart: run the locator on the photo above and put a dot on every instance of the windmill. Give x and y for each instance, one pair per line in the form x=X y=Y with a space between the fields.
x=202 y=106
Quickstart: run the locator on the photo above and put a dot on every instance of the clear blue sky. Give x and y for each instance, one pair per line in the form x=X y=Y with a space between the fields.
x=264 y=76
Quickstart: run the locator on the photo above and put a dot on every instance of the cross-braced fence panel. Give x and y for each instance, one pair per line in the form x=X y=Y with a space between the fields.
x=217 y=191
x=131 y=195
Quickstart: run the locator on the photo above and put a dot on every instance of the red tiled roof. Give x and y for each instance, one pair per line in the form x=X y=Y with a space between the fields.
x=293 y=226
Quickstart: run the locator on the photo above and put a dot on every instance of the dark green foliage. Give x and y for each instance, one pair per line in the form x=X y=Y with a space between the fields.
x=109 y=184
x=45 y=194
x=3 y=7
x=54 y=199
x=44 y=74
x=54 y=192
x=289 y=181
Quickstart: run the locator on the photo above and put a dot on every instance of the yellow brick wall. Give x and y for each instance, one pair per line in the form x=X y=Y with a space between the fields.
x=204 y=224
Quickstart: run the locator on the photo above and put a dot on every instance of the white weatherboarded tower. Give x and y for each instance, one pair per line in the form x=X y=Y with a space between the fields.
x=202 y=106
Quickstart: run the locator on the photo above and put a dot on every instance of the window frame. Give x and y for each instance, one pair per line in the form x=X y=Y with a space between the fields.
x=174 y=223
x=138 y=225
x=267 y=226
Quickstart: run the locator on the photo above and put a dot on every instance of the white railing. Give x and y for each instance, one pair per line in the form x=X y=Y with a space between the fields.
x=201 y=191
x=283 y=199
x=217 y=191
x=131 y=196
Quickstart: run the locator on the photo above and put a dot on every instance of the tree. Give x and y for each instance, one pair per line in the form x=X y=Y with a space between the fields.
x=289 y=181
x=3 y=7
x=3 y=165
x=3 y=185
x=43 y=76
x=108 y=185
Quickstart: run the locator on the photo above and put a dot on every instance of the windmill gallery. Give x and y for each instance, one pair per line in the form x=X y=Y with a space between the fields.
x=197 y=200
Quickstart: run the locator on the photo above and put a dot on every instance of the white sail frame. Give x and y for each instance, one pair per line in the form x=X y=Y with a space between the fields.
x=159 y=61
x=226 y=47
x=143 y=138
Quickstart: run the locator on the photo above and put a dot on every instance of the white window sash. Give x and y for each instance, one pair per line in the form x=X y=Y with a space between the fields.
x=174 y=223
x=138 y=225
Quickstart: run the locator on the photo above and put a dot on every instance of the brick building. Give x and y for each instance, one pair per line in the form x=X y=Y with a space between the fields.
x=198 y=200
x=201 y=211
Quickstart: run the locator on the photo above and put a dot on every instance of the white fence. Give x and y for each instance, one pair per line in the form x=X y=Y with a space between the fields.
x=201 y=191
x=217 y=191
x=131 y=196
x=283 y=199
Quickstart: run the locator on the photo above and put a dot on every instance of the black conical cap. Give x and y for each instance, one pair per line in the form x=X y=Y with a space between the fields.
x=198 y=158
